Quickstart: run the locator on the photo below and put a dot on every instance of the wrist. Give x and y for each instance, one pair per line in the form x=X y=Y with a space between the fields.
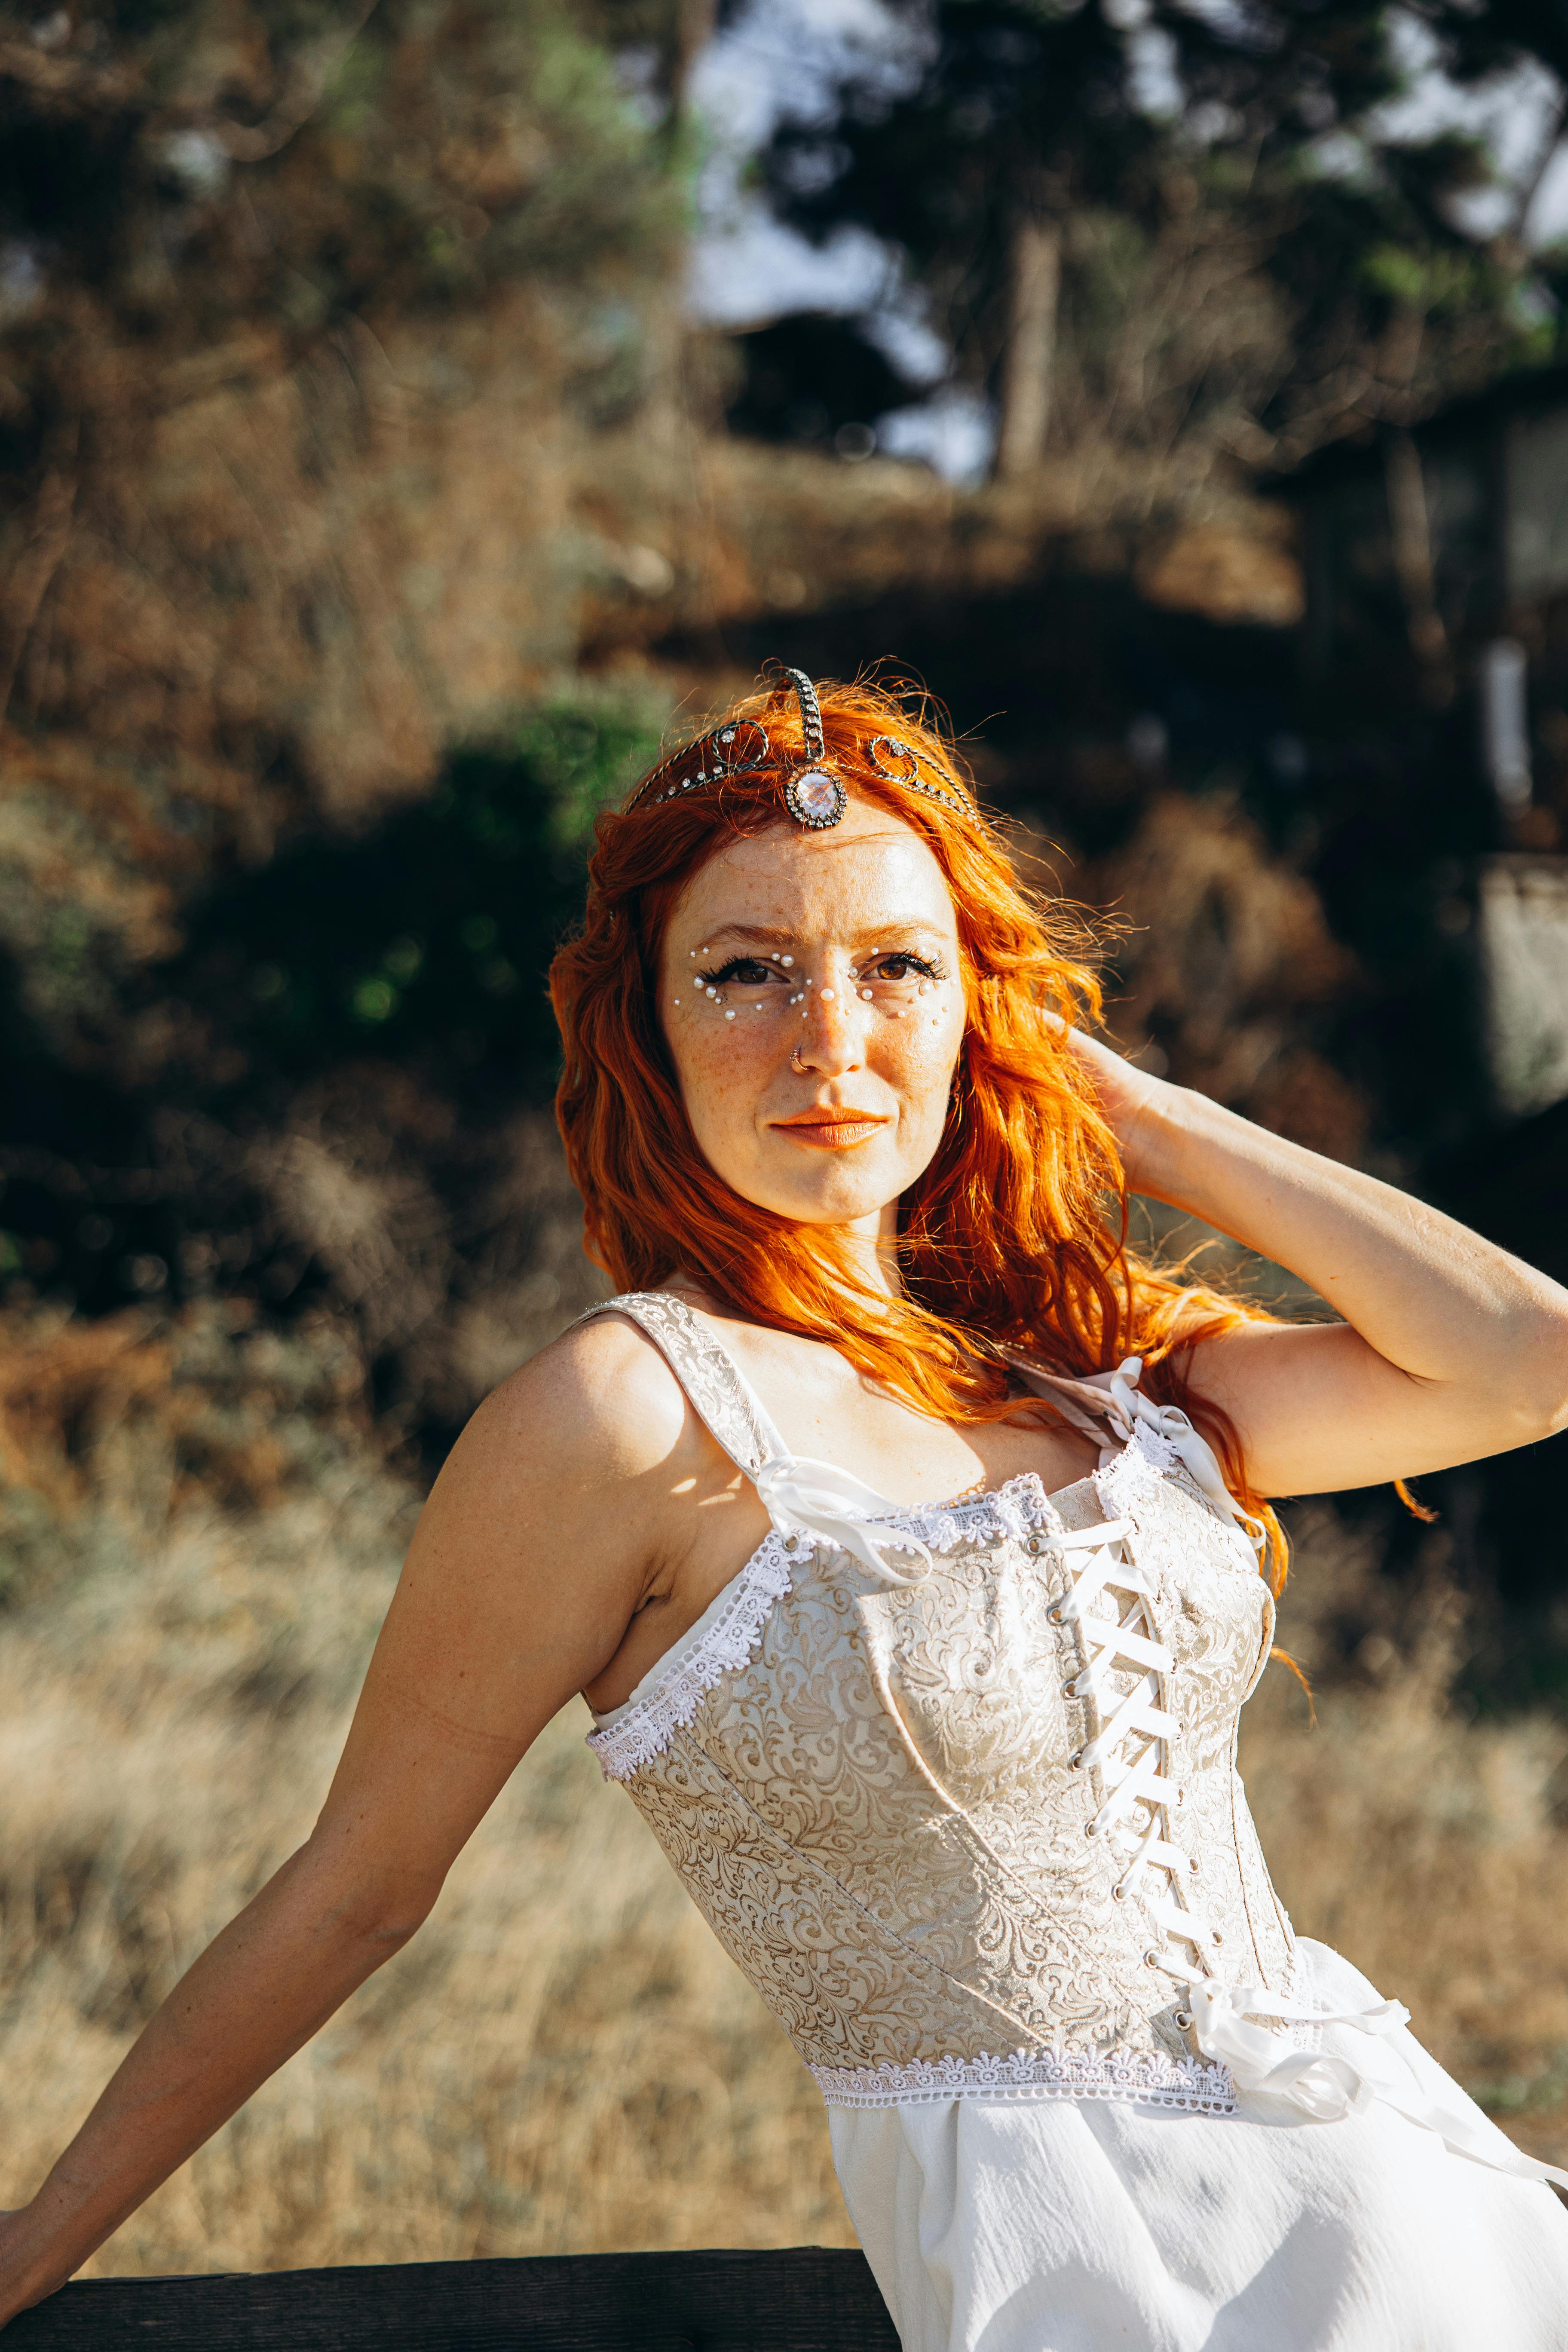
x=1164 y=1155
x=44 y=2241
x=29 y=2268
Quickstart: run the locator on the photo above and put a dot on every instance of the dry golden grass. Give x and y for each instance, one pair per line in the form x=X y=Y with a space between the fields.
x=563 y=2060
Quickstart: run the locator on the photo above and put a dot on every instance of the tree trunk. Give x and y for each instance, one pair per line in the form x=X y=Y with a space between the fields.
x=692 y=29
x=1029 y=365
x=1410 y=528
x=665 y=410
x=46 y=540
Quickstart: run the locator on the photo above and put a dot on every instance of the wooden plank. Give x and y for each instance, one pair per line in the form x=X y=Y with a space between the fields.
x=802 y=2299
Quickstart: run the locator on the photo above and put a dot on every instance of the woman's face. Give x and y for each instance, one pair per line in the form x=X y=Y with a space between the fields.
x=812 y=998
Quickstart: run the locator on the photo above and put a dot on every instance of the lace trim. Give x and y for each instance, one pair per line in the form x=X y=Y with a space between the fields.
x=1020 y=1509
x=1138 y=1470
x=1149 y=2080
x=646 y=1730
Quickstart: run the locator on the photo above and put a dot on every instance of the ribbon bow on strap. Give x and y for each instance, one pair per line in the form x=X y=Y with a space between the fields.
x=1328 y=2088
x=1113 y=1397
x=814 y=1498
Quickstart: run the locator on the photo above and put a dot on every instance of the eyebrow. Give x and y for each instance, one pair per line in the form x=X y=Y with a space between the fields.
x=762 y=935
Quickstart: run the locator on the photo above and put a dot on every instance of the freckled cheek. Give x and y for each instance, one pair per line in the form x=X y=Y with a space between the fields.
x=917 y=1065
x=718 y=1060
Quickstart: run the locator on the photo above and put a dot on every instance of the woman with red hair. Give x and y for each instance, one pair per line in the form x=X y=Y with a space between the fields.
x=904 y=1533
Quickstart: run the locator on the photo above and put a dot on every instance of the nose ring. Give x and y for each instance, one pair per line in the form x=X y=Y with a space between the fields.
x=795 y=1063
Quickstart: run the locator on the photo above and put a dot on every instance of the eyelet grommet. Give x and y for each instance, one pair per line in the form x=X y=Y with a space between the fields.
x=1075 y=1763
x=1118 y=1893
x=1184 y=2021
x=1151 y=1959
x=1193 y=1864
x=1070 y=1690
x=1217 y=1938
x=791 y=1542
x=1090 y=1830
x=1053 y=1616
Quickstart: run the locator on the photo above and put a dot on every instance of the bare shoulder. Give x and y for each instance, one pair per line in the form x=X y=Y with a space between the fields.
x=565 y=1482
x=600 y=1403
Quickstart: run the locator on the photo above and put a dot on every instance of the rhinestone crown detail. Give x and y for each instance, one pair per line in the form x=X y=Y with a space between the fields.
x=812 y=790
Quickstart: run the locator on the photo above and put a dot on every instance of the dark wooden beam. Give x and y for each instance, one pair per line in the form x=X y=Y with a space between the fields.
x=806 y=2299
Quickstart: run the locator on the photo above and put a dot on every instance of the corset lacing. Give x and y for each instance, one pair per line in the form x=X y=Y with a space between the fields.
x=1130 y=1750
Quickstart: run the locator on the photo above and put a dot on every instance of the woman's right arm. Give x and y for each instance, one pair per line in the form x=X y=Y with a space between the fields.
x=529 y=1559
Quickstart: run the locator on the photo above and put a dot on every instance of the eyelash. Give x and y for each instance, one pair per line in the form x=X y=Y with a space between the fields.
x=926 y=967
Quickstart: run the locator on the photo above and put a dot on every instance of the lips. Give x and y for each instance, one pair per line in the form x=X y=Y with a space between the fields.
x=833 y=1128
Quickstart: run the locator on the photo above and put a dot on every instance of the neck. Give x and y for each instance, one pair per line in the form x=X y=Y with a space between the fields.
x=870 y=1245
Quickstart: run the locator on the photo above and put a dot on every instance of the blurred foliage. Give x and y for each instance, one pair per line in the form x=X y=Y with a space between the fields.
x=172 y=171
x=429 y=936
x=1249 y=254
x=804 y=378
x=330 y=1099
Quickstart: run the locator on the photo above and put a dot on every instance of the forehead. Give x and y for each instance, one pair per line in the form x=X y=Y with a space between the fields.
x=870 y=867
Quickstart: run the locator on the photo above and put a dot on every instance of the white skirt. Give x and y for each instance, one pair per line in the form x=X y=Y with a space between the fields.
x=1076 y=2225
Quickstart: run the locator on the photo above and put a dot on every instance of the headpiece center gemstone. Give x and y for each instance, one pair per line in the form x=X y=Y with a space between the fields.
x=816 y=792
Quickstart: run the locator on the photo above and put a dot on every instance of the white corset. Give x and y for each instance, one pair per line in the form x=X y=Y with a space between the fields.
x=956 y=1787
x=946 y=1816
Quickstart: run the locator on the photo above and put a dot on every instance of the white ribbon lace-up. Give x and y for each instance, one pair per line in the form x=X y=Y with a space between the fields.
x=1130 y=1750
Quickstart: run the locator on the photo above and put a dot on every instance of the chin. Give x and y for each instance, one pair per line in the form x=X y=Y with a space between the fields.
x=837 y=1200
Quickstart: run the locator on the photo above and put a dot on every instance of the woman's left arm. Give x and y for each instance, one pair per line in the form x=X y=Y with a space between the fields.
x=1450 y=1350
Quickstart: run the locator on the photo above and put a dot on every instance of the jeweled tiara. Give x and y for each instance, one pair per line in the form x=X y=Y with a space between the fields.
x=814 y=792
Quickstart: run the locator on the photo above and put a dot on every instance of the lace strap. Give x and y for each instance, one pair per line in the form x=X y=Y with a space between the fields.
x=718 y=1391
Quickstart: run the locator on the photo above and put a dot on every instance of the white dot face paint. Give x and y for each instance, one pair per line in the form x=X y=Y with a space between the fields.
x=855 y=895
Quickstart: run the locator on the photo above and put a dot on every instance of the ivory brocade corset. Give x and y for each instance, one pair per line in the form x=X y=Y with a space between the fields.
x=973 y=1826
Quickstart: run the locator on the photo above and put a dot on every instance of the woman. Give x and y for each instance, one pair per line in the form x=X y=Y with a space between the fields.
x=904 y=1534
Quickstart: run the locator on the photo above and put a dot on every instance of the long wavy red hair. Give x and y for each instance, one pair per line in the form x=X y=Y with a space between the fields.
x=1014 y=1236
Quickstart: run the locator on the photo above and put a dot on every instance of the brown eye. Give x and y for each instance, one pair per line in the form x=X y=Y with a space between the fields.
x=899 y=968
x=740 y=972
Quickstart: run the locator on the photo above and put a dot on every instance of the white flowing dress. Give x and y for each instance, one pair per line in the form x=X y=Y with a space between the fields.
x=956 y=1787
